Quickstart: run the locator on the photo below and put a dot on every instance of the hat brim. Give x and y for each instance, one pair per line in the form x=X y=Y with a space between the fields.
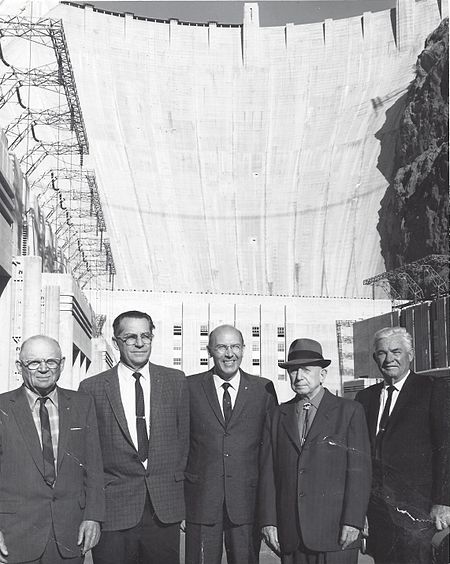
x=305 y=362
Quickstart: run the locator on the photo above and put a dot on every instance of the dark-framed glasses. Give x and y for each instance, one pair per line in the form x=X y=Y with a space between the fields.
x=236 y=348
x=131 y=340
x=51 y=363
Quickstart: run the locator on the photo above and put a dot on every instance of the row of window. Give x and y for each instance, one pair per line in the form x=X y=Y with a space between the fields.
x=204 y=331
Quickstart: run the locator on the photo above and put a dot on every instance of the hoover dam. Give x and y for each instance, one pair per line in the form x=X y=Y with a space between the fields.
x=244 y=159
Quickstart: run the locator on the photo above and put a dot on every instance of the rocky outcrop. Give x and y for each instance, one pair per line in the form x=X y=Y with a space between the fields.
x=414 y=211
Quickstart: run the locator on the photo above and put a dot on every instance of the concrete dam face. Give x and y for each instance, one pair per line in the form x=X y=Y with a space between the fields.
x=244 y=159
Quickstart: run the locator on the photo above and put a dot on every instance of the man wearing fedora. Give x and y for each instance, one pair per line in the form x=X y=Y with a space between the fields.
x=316 y=469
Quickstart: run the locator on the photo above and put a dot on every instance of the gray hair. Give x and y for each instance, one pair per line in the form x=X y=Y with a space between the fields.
x=387 y=332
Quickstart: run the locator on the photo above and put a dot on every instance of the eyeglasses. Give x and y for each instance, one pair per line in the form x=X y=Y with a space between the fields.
x=222 y=349
x=131 y=340
x=51 y=363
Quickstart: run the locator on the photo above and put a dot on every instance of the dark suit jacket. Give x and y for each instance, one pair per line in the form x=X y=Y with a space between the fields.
x=321 y=486
x=28 y=506
x=126 y=479
x=223 y=463
x=414 y=470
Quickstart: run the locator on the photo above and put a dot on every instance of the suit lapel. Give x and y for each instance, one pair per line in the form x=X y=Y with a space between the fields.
x=24 y=419
x=403 y=399
x=112 y=390
x=211 y=395
x=327 y=404
x=290 y=423
x=244 y=393
x=64 y=413
x=155 y=392
x=374 y=408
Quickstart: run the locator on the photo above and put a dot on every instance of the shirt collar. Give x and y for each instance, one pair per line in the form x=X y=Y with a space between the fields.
x=398 y=385
x=234 y=381
x=33 y=397
x=126 y=372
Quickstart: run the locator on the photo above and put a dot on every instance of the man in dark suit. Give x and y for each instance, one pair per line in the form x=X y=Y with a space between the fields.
x=228 y=411
x=51 y=479
x=143 y=419
x=316 y=468
x=408 y=420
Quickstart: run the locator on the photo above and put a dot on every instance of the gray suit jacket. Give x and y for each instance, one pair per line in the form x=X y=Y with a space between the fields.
x=223 y=463
x=28 y=506
x=126 y=479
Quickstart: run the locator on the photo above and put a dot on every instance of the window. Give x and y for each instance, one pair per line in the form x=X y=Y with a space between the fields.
x=177 y=347
x=177 y=329
x=203 y=345
x=280 y=347
x=203 y=362
x=282 y=376
x=177 y=361
x=255 y=331
x=203 y=330
x=280 y=331
x=255 y=362
x=255 y=346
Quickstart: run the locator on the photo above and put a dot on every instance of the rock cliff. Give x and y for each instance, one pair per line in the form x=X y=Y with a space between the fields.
x=413 y=219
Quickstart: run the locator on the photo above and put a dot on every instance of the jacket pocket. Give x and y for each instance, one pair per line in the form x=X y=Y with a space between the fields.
x=179 y=476
x=191 y=477
x=8 y=506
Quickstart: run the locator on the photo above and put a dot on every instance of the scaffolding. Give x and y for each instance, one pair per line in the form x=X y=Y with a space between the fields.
x=50 y=142
x=423 y=279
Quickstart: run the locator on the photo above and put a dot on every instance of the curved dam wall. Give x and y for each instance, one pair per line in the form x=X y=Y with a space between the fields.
x=245 y=159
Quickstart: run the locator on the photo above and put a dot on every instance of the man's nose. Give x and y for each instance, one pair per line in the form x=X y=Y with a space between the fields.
x=389 y=357
x=43 y=366
x=139 y=341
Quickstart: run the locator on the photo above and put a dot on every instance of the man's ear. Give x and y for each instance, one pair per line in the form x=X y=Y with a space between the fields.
x=62 y=363
x=374 y=356
x=209 y=352
x=19 y=366
x=411 y=355
x=323 y=374
x=114 y=342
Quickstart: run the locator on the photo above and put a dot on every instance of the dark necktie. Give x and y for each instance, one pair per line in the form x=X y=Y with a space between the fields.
x=226 y=403
x=384 y=421
x=47 y=445
x=305 y=416
x=141 y=425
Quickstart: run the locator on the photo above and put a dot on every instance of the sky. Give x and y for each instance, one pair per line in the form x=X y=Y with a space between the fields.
x=271 y=13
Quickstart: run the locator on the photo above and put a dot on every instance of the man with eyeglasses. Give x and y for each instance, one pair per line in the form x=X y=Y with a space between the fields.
x=143 y=419
x=228 y=412
x=51 y=476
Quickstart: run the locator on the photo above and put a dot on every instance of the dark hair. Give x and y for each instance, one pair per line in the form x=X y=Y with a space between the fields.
x=133 y=315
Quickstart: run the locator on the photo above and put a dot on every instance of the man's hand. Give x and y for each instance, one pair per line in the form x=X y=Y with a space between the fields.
x=348 y=535
x=440 y=515
x=3 y=549
x=270 y=534
x=88 y=535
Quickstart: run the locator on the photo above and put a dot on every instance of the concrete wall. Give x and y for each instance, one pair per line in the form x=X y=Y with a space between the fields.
x=268 y=324
x=247 y=159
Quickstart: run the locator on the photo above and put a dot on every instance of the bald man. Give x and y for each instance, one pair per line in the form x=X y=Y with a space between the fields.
x=228 y=411
x=51 y=473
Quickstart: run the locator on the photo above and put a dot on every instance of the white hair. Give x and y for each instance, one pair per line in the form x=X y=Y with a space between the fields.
x=387 y=332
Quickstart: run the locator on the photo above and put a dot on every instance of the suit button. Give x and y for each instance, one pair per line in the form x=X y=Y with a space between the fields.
x=301 y=494
x=301 y=471
x=226 y=454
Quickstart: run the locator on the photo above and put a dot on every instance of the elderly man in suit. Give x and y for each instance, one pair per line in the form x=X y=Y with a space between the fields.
x=51 y=479
x=409 y=428
x=316 y=468
x=143 y=419
x=228 y=412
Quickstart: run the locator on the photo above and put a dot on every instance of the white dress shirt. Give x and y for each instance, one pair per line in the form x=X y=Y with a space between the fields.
x=232 y=390
x=128 y=396
x=384 y=396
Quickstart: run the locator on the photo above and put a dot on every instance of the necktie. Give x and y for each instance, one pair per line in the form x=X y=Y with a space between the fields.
x=226 y=403
x=141 y=425
x=305 y=416
x=47 y=445
x=384 y=421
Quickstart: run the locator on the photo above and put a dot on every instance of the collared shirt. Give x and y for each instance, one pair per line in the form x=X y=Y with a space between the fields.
x=315 y=402
x=384 y=396
x=232 y=390
x=127 y=384
x=53 y=416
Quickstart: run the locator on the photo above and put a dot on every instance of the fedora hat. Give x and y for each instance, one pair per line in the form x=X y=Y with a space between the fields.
x=305 y=352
